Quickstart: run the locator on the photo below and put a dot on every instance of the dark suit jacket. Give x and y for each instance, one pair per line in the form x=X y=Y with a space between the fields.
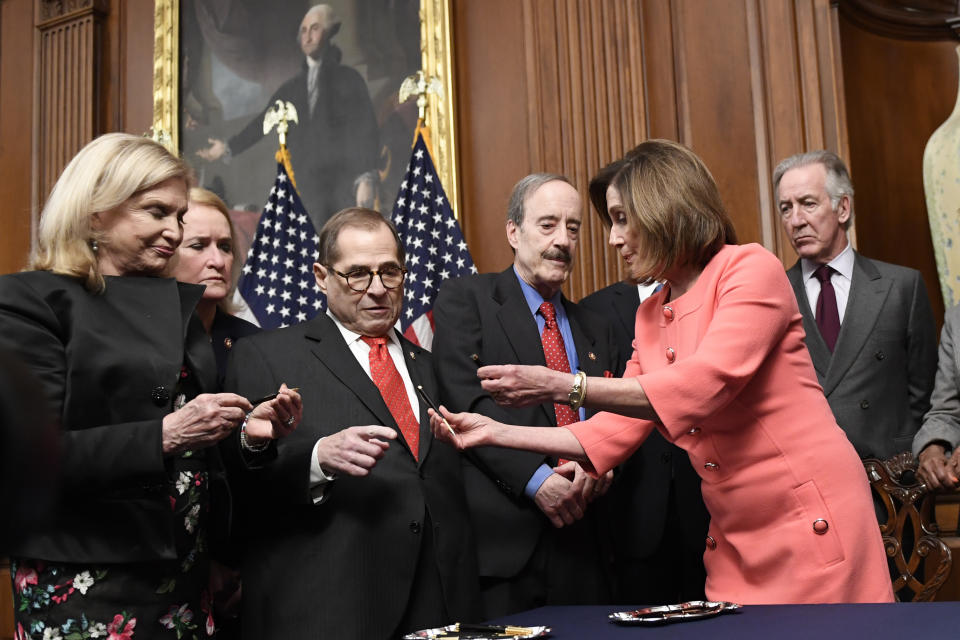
x=486 y=316
x=344 y=568
x=224 y=332
x=641 y=493
x=108 y=364
x=330 y=146
x=879 y=378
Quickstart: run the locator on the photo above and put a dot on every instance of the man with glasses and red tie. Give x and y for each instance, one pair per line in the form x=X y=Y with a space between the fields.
x=869 y=326
x=540 y=540
x=360 y=528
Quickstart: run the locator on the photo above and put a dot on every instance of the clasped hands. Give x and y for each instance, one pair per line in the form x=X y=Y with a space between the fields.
x=563 y=497
x=937 y=470
x=210 y=417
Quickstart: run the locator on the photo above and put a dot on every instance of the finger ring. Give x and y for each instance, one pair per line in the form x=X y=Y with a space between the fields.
x=290 y=420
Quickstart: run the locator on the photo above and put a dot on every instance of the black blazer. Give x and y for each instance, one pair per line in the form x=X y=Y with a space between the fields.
x=345 y=566
x=880 y=375
x=224 y=332
x=641 y=493
x=485 y=316
x=108 y=364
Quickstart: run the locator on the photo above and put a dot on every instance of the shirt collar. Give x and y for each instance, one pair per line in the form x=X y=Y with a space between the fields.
x=351 y=336
x=842 y=264
x=533 y=297
x=313 y=64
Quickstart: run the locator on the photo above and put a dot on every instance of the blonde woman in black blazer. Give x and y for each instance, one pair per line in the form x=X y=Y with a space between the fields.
x=125 y=365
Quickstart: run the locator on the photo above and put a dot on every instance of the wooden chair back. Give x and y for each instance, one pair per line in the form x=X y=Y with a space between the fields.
x=920 y=561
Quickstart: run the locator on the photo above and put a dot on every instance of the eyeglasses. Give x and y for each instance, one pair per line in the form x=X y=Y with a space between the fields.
x=361 y=279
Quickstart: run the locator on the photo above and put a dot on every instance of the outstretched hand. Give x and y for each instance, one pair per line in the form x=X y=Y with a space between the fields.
x=469 y=429
x=518 y=385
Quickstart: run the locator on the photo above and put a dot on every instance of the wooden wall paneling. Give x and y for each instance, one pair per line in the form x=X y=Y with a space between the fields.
x=762 y=102
x=897 y=93
x=582 y=66
x=135 y=65
x=16 y=132
x=494 y=119
x=659 y=83
x=715 y=94
x=743 y=82
x=69 y=76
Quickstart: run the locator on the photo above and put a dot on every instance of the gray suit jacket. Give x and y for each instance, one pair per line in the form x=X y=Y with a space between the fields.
x=879 y=377
x=942 y=422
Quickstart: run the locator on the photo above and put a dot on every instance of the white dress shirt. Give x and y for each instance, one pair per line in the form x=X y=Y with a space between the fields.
x=841 y=278
x=361 y=351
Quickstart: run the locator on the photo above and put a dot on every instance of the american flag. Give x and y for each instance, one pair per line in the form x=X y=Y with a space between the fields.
x=432 y=239
x=277 y=280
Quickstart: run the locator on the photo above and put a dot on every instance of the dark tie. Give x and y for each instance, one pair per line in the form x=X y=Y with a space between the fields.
x=828 y=318
x=556 y=356
x=388 y=380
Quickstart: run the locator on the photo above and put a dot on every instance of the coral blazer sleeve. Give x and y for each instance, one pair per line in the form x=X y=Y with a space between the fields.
x=752 y=305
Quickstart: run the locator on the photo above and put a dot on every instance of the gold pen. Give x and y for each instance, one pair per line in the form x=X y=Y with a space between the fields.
x=433 y=405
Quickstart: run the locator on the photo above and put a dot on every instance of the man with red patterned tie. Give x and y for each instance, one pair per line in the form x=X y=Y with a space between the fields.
x=869 y=326
x=360 y=527
x=540 y=540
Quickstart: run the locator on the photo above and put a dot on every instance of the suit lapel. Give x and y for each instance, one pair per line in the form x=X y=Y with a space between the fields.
x=816 y=345
x=519 y=326
x=868 y=292
x=421 y=373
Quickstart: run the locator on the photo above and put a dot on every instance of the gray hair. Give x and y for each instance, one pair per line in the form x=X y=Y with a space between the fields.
x=838 y=183
x=526 y=188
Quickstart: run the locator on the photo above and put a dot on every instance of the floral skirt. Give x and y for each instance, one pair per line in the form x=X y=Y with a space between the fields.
x=135 y=601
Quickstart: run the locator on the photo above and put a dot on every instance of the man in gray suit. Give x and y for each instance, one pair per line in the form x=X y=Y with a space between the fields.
x=870 y=329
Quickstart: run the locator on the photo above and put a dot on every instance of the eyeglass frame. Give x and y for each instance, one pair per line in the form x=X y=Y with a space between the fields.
x=371 y=273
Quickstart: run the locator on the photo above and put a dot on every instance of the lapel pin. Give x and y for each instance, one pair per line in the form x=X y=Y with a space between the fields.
x=228 y=343
x=592 y=355
x=475 y=357
x=413 y=356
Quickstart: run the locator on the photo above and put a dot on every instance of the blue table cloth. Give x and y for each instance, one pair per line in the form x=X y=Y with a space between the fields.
x=900 y=621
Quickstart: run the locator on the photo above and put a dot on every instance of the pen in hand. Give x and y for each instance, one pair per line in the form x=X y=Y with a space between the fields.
x=433 y=405
x=270 y=397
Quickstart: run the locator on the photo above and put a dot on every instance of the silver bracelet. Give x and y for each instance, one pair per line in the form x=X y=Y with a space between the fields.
x=253 y=448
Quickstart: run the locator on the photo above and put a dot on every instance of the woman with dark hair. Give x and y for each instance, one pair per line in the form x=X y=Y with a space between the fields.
x=126 y=368
x=207 y=256
x=721 y=370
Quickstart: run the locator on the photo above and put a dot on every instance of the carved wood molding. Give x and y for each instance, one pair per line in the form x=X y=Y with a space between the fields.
x=51 y=11
x=905 y=19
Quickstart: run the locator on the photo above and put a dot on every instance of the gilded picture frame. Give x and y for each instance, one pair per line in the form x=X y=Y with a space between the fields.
x=437 y=61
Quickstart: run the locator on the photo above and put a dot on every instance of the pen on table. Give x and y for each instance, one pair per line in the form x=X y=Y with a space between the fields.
x=433 y=405
x=270 y=397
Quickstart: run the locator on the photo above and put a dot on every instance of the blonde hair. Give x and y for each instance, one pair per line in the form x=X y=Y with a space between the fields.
x=207 y=198
x=103 y=175
x=672 y=200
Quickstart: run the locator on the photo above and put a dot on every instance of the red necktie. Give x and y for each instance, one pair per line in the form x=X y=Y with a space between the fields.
x=828 y=318
x=556 y=356
x=388 y=380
